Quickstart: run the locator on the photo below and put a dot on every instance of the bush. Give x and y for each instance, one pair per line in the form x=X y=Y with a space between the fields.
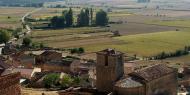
x=77 y=50
x=26 y=42
x=81 y=50
x=51 y=80
x=67 y=81
x=178 y=53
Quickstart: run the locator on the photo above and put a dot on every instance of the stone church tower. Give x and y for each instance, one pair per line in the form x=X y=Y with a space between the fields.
x=109 y=69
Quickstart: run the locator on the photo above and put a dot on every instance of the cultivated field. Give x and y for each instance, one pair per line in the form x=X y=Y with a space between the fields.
x=147 y=44
x=144 y=35
x=10 y=17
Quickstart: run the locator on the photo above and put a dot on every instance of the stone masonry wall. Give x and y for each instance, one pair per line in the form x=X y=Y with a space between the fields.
x=9 y=84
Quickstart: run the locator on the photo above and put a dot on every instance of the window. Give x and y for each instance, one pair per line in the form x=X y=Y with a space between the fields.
x=106 y=60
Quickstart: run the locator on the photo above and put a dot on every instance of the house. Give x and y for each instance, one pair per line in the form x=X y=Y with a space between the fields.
x=48 y=56
x=26 y=73
x=9 y=49
x=24 y=60
x=9 y=81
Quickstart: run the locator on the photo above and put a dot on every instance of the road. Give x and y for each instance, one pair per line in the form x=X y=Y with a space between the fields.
x=24 y=22
x=28 y=29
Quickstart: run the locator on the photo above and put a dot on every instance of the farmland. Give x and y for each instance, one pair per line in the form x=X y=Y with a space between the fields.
x=11 y=17
x=140 y=34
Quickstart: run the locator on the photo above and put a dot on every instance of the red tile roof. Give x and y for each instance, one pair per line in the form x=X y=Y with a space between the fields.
x=153 y=72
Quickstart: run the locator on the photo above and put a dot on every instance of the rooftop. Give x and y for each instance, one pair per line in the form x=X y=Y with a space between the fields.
x=128 y=83
x=153 y=72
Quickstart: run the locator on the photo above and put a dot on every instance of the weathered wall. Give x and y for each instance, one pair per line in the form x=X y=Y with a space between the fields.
x=108 y=74
x=166 y=85
x=55 y=68
x=9 y=84
x=130 y=91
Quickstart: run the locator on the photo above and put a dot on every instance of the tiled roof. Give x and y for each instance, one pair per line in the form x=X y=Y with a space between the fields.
x=128 y=83
x=153 y=72
x=48 y=53
x=4 y=65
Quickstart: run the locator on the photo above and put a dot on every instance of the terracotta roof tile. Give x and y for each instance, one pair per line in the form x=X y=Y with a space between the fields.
x=153 y=72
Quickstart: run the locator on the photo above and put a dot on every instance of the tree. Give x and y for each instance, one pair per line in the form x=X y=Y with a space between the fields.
x=87 y=17
x=58 y=22
x=91 y=16
x=27 y=41
x=81 y=18
x=66 y=81
x=4 y=36
x=51 y=80
x=101 y=18
x=69 y=18
x=81 y=50
x=84 y=17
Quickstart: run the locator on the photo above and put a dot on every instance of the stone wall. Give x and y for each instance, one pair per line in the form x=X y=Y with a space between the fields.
x=130 y=91
x=166 y=85
x=9 y=84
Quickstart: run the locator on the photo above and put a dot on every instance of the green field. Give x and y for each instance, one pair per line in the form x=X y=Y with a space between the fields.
x=177 y=23
x=148 y=44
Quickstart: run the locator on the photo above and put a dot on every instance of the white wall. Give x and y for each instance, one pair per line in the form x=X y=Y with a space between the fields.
x=1 y=51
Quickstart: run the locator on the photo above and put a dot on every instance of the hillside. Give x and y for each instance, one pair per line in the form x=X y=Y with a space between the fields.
x=23 y=2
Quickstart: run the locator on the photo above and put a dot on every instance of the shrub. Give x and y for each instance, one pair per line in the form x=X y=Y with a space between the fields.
x=51 y=80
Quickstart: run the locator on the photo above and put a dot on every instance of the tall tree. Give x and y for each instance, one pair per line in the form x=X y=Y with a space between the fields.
x=69 y=18
x=91 y=16
x=87 y=17
x=58 y=22
x=101 y=18
x=81 y=18
x=4 y=36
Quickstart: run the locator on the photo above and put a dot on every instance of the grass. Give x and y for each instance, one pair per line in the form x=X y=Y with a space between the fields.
x=177 y=23
x=70 y=36
x=141 y=44
x=147 y=44
x=15 y=15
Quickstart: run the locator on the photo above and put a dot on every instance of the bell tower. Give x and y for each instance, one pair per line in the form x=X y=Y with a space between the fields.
x=109 y=69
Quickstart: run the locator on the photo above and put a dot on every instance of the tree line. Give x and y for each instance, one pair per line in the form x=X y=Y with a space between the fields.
x=177 y=53
x=85 y=18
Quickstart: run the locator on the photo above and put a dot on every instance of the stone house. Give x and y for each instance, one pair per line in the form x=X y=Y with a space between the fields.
x=21 y=59
x=48 y=56
x=9 y=81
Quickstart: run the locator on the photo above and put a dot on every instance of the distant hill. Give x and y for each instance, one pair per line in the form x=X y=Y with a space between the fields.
x=24 y=2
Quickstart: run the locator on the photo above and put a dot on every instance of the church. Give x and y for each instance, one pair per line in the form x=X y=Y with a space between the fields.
x=158 y=79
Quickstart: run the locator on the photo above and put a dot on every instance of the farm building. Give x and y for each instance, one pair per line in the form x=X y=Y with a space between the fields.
x=151 y=80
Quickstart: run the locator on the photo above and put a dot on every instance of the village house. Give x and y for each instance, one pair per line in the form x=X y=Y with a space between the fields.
x=9 y=49
x=23 y=60
x=53 y=61
x=9 y=81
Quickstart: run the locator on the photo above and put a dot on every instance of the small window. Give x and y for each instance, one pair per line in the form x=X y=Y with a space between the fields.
x=106 y=60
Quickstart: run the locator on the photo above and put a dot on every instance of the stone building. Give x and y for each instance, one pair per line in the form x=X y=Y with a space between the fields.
x=109 y=68
x=9 y=82
x=153 y=80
